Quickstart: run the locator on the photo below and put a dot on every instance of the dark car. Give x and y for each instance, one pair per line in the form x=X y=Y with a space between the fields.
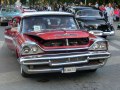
x=93 y=20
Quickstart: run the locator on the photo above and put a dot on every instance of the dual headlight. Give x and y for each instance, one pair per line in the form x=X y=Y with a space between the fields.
x=31 y=49
x=3 y=18
x=100 y=45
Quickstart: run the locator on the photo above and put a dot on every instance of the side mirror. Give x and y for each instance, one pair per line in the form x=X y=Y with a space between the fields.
x=8 y=28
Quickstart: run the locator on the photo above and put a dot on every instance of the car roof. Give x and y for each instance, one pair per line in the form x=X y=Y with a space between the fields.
x=28 y=14
x=81 y=7
x=84 y=7
x=90 y=9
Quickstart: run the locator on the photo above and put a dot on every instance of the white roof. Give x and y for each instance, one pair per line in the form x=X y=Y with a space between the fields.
x=27 y=14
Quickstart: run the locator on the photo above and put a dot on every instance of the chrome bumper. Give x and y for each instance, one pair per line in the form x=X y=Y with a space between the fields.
x=109 y=33
x=52 y=70
x=36 y=60
x=101 y=33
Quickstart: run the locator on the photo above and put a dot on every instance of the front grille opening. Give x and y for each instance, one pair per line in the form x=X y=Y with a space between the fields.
x=46 y=66
x=66 y=42
x=51 y=43
x=78 y=41
x=103 y=27
x=100 y=27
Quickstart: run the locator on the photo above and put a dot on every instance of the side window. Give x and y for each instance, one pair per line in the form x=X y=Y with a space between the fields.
x=79 y=13
x=72 y=11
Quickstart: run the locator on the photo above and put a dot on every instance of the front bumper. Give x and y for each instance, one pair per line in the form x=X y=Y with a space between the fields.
x=57 y=62
x=100 y=33
x=109 y=33
x=5 y=20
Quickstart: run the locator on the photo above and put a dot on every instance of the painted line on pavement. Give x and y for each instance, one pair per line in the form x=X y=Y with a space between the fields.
x=1 y=44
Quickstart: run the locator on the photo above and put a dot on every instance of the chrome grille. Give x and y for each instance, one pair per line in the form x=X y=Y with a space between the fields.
x=69 y=60
x=66 y=42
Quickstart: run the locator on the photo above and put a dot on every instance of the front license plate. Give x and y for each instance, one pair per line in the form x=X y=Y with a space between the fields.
x=69 y=69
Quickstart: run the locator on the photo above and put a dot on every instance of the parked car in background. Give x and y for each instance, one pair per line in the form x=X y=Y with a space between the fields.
x=6 y=14
x=74 y=9
x=93 y=20
x=46 y=42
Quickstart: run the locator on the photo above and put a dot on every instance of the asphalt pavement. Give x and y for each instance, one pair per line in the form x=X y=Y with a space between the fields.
x=106 y=78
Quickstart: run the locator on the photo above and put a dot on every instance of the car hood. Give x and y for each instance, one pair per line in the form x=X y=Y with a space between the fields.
x=89 y=17
x=92 y=20
x=59 y=34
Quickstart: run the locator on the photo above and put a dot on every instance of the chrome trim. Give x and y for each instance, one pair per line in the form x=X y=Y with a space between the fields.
x=38 y=58
x=68 y=63
x=98 y=40
x=109 y=33
x=66 y=49
x=51 y=70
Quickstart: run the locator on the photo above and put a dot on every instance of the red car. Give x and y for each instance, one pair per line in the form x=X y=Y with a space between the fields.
x=46 y=42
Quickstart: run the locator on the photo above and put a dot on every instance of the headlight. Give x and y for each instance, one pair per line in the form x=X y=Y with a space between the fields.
x=31 y=49
x=34 y=49
x=91 y=32
x=3 y=18
x=26 y=49
x=100 y=45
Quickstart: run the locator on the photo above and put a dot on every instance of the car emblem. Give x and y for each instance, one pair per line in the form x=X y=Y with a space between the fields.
x=66 y=34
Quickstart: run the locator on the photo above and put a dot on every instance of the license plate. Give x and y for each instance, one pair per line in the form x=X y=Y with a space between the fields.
x=69 y=69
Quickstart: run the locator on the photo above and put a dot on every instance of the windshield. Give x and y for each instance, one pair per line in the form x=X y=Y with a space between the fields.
x=43 y=23
x=94 y=13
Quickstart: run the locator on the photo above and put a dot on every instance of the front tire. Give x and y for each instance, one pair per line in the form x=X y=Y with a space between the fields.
x=23 y=73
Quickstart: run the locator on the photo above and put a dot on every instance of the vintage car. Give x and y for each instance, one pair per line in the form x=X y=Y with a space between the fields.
x=6 y=14
x=46 y=42
x=93 y=20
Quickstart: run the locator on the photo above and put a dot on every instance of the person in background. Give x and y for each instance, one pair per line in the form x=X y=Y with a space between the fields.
x=116 y=14
x=49 y=8
x=81 y=4
x=90 y=4
x=96 y=5
x=60 y=8
x=102 y=8
x=110 y=13
x=18 y=4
